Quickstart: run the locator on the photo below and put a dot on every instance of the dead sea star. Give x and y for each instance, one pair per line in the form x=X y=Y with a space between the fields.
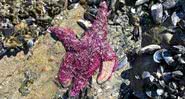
x=85 y=56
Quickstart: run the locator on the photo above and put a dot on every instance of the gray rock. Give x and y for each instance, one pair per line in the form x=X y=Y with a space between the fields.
x=2 y=51
x=123 y=62
x=157 y=12
x=30 y=43
x=146 y=74
x=175 y=19
x=149 y=93
x=166 y=37
x=169 y=4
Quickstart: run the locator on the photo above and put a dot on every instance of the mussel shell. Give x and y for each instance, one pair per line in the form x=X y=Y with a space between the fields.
x=167 y=57
x=30 y=20
x=30 y=43
x=84 y=24
x=139 y=2
x=93 y=2
x=150 y=48
x=157 y=57
x=90 y=14
x=140 y=94
x=179 y=49
x=2 y=51
x=125 y=74
x=151 y=94
x=7 y=31
x=167 y=76
x=122 y=63
x=74 y=1
x=177 y=73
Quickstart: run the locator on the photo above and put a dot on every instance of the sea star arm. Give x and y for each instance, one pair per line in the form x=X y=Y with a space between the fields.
x=78 y=85
x=65 y=74
x=68 y=38
x=107 y=52
x=109 y=63
x=99 y=25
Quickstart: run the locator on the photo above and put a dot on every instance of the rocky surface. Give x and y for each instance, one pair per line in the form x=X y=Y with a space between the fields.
x=41 y=66
x=42 y=60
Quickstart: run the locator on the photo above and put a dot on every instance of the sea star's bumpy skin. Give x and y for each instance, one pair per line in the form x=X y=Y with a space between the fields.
x=83 y=57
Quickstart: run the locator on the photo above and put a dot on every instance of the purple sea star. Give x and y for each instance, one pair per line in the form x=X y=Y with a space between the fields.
x=84 y=56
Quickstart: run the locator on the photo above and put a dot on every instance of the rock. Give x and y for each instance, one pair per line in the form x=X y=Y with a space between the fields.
x=8 y=32
x=182 y=24
x=125 y=74
x=169 y=4
x=140 y=94
x=157 y=12
x=177 y=73
x=175 y=19
x=137 y=33
x=178 y=39
x=30 y=20
x=146 y=74
x=2 y=51
x=167 y=76
x=166 y=37
x=30 y=43
x=162 y=83
x=123 y=63
x=139 y=2
x=149 y=93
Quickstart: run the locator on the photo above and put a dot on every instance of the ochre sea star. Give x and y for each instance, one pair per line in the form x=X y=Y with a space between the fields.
x=86 y=55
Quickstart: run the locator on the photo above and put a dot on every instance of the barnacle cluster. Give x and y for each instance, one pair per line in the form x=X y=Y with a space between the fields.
x=22 y=21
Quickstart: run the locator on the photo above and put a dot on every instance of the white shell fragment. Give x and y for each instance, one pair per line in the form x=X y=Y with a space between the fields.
x=157 y=12
x=139 y=2
x=175 y=19
x=150 y=48
x=160 y=92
